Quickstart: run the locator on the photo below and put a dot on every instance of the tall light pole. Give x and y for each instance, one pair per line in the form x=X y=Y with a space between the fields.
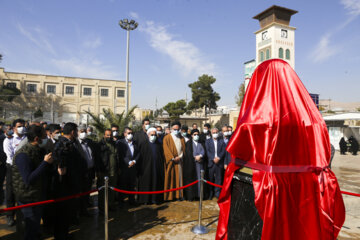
x=128 y=26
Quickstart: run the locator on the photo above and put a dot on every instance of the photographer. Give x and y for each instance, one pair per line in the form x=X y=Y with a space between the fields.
x=28 y=169
x=67 y=179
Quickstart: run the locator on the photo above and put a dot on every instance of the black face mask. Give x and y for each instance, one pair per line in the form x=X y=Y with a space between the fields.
x=108 y=140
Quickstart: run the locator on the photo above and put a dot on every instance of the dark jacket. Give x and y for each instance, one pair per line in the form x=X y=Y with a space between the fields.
x=2 y=153
x=210 y=151
x=28 y=188
x=125 y=155
x=106 y=152
x=67 y=155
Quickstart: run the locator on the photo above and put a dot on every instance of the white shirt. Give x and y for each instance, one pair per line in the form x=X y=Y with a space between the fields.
x=215 y=143
x=131 y=146
x=10 y=145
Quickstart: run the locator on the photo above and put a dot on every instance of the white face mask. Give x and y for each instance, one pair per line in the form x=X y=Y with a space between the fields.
x=196 y=138
x=152 y=139
x=56 y=137
x=115 y=134
x=147 y=126
x=159 y=132
x=82 y=135
x=205 y=131
x=43 y=142
x=175 y=132
x=129 y=137
x=215 y=135
x=226 y=134
x=184 y=134
x=89 y=133
x=21 y=130
x=229 y=133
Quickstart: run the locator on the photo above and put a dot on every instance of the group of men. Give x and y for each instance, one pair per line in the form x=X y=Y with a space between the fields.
x=43 y=161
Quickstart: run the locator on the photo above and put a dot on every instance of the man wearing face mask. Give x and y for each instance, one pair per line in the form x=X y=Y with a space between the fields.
x=67 y=180
x=128 y=157
x=140 y=137
x=10 y=146
x=107 y=165
x=206 y=134
x=226 y=138
x=48 y=210
x=215 y=151
x=159 y=134
x=91 y=135
x=87 y=149
x=184 y=133
x=174 y=148
x=115 y=132
x=193 y=164
x=54 y=134
x=151 y=169
x=230 y=131
x=29 y=167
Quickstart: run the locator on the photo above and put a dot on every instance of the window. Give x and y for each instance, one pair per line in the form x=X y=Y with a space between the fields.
x=31 y=88
x=11 y=85
x=120 y=93
x=51 y=89
x=267 y=54
x=261 y=56
x=104 y=92
x=69 y=90
x=87 y=92
x=287 y=53
x=281 y=53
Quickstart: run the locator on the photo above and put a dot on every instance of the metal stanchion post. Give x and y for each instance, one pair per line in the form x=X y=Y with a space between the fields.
x=106 y=207
x=199 y=229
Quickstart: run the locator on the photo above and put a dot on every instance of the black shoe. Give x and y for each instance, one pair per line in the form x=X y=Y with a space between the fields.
x=10 y=221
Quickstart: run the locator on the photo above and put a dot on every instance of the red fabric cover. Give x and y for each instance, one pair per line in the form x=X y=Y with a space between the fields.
x=279 y=125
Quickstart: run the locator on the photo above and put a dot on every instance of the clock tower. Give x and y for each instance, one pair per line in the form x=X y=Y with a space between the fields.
x=276 y=38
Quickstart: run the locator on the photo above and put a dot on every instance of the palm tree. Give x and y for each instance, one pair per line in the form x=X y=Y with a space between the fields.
x=101 y=123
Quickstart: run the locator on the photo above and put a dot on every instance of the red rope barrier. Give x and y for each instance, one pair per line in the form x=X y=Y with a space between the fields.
x=156 y=192
x=47 y=201
x=350 y=193
x=213 y=184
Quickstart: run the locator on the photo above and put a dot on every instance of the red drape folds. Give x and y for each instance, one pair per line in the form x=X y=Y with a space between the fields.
x=279 y=126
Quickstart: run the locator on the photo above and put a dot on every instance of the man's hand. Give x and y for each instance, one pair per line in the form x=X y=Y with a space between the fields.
x=48 y=158
x=177 y=159
x=131 y=164
x=62 y=171
x=216 y=160
x=198 y=158
x=225 y=166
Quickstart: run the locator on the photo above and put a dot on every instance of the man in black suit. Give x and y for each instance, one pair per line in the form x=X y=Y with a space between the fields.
x=128 y=157
x=87 y=149
x=215 y=150
x=226 y=138
x=206 y=134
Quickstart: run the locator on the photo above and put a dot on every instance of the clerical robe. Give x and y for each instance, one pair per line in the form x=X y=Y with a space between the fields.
x=173 y=171
x=151 y=172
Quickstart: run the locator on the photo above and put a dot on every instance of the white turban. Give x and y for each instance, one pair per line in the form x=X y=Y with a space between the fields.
x=152 y=129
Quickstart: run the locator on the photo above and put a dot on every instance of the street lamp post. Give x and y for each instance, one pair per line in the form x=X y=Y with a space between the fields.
x=128 y=26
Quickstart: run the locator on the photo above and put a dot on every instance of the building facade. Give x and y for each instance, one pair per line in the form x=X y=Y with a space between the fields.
x=60 y=98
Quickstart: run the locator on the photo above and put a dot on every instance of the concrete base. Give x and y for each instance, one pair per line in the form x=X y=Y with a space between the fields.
x=199 y=229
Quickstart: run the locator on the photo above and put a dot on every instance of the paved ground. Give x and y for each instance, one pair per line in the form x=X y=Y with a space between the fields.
x=174 y=220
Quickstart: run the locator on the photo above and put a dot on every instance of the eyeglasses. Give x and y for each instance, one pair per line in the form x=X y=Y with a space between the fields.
x=152 y=134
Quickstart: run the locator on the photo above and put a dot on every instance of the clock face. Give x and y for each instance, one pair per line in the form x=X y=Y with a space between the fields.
x=284 y=33
x=264 y=35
